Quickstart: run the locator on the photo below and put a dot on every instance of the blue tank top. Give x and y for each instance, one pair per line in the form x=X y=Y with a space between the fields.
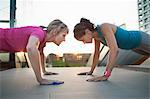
x=125 y=39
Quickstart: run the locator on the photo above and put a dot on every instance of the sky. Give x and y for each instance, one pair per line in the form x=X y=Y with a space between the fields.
x=42 y=12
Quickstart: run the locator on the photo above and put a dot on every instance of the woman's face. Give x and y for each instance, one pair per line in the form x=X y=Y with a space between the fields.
x=87 y=38
x=60 y=37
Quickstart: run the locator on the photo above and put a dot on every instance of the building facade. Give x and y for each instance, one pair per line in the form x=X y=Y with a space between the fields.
x=144 y=15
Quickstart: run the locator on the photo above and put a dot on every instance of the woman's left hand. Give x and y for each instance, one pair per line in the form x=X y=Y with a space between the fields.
x=97 y=79
x=50 y=73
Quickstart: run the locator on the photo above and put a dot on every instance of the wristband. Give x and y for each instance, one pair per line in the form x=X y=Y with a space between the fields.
x=107 y=73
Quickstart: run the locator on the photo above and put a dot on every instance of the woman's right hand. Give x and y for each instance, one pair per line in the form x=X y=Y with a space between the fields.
x=50 y=82
x=86 y=73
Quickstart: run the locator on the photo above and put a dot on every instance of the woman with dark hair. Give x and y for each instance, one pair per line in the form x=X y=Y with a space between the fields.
x=114 y=37
x=32 y=39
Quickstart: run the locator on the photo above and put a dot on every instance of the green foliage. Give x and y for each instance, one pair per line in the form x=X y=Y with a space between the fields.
x=60 y=63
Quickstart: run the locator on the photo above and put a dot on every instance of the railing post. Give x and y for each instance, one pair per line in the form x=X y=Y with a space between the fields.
x=12 y=24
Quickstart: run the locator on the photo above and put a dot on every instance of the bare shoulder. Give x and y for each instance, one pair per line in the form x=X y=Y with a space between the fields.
x=33 y=41
x=107 y=26
x=33 y=38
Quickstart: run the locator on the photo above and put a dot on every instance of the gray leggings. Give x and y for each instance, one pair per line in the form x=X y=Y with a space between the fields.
x=144 y=47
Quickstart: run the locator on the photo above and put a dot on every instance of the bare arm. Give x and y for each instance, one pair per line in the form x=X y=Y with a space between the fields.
x=43 y=61
x=95 y=59
x=108 y=33
x=96 y=55
x=112 y=44
x=34 y=56
x=36 y=62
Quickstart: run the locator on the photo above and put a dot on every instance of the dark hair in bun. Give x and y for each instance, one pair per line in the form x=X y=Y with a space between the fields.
x=79 y=29
x=84 y=20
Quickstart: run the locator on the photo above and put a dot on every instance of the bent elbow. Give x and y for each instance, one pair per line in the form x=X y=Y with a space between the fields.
x=115 y=50
x=30 y=48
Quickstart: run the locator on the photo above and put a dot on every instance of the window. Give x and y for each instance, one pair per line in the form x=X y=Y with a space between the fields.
x=146 y=26
x=145 y=14
x=145 y=7
x=144 y=1
x=146 y=20
x=140 y=16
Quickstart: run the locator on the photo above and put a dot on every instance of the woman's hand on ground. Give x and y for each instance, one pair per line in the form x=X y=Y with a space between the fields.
x=97 y=79
x=50 y=82
x=85 y=73
x=50 y=73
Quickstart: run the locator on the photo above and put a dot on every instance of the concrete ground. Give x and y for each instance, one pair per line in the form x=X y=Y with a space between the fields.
x=123 y=84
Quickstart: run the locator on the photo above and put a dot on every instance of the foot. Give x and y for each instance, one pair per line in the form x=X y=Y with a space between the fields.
x=50 y=73
x=50 y=82
x=98 y=79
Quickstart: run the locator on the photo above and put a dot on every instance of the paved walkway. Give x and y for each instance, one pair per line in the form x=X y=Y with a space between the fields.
x=123 y=84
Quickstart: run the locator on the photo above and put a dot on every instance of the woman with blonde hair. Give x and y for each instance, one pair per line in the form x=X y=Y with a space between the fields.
x=32 y=39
